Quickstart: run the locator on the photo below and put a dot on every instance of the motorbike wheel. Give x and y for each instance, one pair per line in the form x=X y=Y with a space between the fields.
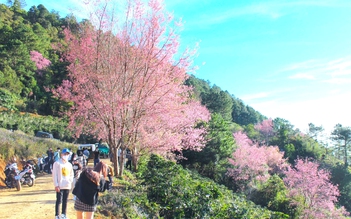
x=18 y=185
x=30 y=182
x=8 y=183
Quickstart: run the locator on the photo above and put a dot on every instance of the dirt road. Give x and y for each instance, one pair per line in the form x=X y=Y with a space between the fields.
x=32 y=202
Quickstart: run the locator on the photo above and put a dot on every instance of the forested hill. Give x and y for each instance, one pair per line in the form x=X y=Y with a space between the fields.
x=30 y=66
x=224 y=103
x=266 y=161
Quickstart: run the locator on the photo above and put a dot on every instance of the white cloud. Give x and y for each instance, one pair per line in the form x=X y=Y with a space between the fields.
x=327 y=71
x=302 y=76
x=309 y=64
x=338 y=81
x=81 y=9
x=77 y=7
x=321 y=99
x=326 y=111
x=334 y=92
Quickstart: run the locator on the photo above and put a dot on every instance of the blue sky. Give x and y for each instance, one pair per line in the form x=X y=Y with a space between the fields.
x=288 y=59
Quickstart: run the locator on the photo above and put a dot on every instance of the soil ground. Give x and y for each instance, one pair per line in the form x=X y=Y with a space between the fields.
x=33 y=202
x=37 y=201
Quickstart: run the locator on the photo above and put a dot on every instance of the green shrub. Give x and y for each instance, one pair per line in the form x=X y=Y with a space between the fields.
x=31 y=123
x=166 y=190
x=7 y=99
x=273 y=195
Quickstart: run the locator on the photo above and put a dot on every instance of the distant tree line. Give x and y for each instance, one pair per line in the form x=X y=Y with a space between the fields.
x=244 y=150
x=222 y=102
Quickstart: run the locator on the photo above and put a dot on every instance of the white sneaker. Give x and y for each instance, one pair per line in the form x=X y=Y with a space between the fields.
x=63 y=216
x=57 y=217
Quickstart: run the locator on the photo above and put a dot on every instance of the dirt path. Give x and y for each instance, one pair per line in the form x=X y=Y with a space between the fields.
x=33 y=202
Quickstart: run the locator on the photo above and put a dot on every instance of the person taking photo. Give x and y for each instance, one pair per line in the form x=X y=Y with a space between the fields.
x=87 y=188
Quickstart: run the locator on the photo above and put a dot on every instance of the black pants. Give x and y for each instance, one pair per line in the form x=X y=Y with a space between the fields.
x=96 y=161
x=51 y=164
x=110 y=178
x=61 y=197
x=129 y=164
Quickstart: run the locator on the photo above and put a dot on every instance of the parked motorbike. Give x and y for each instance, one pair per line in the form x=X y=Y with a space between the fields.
x=11 y=171
x=26 y=176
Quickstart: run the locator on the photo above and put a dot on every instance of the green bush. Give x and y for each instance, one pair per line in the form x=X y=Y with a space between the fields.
x=273 y=195
x=165 y=190
x=31 y=123
x=7 y=99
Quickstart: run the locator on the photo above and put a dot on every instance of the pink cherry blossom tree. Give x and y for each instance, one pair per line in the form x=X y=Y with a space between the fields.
x=265 y=128
x=126 y=82
x=40 y=62
x=311 y=191
x=253 y=163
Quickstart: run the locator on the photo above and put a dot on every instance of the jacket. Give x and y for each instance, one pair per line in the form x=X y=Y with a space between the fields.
x=62 y=174
x=87 y=191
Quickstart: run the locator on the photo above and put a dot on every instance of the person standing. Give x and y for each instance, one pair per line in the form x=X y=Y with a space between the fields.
x=110 y=155
x=86 y=154
x=57 y=154
x=119 y=156
x=77 y=169
x=79 y=152
x=40 y=164
x=50 y=154
x=110 y=174
x=96 y=156
x=129 y=160
x=62 y=174
x=86 y=190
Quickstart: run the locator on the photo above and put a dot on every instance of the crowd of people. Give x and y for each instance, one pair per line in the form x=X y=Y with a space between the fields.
x=68 y=174
x=71 y=173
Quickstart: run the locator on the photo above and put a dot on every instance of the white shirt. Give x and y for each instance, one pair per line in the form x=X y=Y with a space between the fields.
x=62 y=174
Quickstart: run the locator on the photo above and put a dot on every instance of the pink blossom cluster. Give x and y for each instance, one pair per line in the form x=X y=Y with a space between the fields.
x=307 y=181
x=265 y=128
x=40 y=62
x=308 y=185
x=253 y=162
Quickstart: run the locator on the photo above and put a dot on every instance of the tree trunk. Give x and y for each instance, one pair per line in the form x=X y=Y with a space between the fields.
x=135 y=159
x=121 y=163
x=115 y=161
x=134 y=162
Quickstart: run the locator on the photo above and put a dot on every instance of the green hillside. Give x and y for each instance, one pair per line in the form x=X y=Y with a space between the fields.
x=246 y=168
